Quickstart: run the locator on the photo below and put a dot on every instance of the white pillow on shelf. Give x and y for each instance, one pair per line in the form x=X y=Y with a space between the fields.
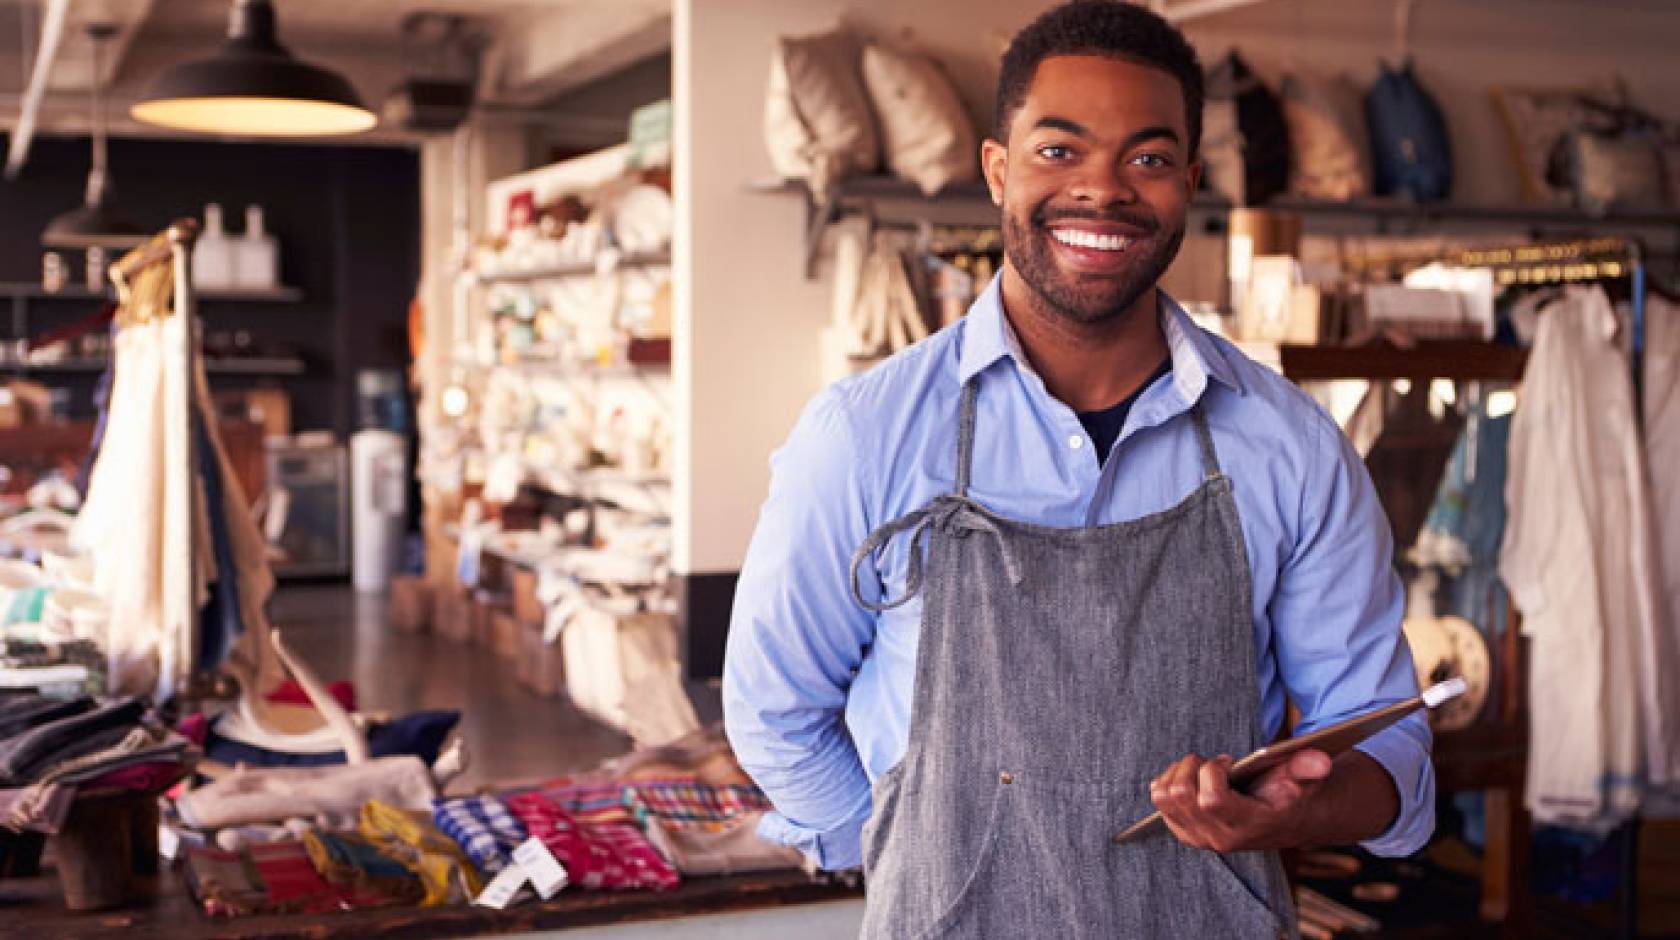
x=925 y=131
x=817 y=122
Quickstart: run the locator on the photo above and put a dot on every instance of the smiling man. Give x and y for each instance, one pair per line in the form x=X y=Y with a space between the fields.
x=1055 y=566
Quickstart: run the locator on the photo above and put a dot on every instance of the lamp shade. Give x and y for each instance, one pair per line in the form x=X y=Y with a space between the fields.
x=91 y=226
x=252 y=86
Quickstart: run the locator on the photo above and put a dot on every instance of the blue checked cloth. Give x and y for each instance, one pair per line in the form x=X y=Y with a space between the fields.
x=483 y=827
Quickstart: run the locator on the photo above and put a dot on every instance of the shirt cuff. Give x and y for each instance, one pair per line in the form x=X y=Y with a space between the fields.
x=1414 y=780
x=832 y=850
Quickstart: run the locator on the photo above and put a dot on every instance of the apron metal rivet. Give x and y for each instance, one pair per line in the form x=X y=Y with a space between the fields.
x=1006 y=778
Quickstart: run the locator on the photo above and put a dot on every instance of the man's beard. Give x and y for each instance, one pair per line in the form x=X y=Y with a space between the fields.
x=1088 y=298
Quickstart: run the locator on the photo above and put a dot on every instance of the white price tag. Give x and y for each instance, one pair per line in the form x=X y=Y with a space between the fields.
x=547 y=875
x=502 y=888
x=169 y=842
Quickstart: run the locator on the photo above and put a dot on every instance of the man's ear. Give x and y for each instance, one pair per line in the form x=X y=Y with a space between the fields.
x=1196 y=175
x=994 y=162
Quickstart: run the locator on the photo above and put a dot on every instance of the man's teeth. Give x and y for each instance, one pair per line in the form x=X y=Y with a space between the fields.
x=1080 y=239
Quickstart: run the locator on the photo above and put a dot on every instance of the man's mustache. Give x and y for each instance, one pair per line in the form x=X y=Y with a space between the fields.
x=1142 y=221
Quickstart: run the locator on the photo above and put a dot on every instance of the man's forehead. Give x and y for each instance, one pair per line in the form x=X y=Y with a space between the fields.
x=1098 y=83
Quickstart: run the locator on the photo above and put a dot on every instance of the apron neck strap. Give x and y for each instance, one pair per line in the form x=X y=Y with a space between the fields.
x=965 y=434
x=1204 y=438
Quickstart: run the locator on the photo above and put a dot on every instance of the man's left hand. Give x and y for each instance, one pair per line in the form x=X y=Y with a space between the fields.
x=1201 y=809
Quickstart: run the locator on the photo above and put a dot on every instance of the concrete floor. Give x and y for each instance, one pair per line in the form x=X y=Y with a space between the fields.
x=512 y=735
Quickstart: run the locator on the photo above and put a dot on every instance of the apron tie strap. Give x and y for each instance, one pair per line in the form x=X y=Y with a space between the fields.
x=958 y=515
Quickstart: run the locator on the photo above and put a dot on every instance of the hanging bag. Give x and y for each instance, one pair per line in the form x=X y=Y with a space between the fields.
x=1410 y=154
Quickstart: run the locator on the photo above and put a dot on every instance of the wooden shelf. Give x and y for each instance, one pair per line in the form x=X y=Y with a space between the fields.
x=29 y=291
x=890 y=201
x=254 y=365
x=1467 y=360
x=575 y=269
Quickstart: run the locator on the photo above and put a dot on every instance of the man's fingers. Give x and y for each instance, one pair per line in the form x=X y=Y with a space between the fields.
x=1174 y=794
x=1310 y=766
x=1214 y=783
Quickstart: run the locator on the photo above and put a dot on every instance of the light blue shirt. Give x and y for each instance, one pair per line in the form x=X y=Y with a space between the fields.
x=817 y=690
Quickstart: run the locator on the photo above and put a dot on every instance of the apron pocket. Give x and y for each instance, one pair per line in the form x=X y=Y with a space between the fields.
x=1246 y=875
x=883 y=799
x=978 y=882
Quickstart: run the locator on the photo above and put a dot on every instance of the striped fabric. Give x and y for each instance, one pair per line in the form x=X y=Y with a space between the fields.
x=598 y=855
x=484 y=829
x=696 y=804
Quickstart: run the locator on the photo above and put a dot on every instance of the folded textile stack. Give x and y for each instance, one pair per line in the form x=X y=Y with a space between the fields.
x=602 y=855
x=708 y=830
x=52 y=749
x=331 y=795
x=376 y=834
x=232 y=741
x=275 y=878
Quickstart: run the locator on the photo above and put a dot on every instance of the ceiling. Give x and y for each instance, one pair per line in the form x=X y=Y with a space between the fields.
x=536 y=49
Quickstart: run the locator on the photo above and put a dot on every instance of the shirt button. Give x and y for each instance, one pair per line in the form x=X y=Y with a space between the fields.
x=1076 y=442
x=1006 y=778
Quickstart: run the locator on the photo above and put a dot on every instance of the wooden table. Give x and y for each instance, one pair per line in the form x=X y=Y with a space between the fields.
x=34 y=908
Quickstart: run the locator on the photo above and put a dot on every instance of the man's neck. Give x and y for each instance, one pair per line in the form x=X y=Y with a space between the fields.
x=1087 y=366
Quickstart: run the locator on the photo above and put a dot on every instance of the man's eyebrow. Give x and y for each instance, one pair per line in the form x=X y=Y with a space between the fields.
x=1050 y=122
x=1152 y=133
x=1062 y=124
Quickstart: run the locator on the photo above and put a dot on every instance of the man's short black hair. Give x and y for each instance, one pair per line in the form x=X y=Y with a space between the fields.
x=1109 y=28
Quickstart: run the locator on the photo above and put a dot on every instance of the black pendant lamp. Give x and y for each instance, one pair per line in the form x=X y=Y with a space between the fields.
x=95 y=224
x=253 y=87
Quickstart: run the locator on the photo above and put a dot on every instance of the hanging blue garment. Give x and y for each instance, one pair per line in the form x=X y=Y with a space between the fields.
x=219 y=623
x=101 y=402
x=1469 y=514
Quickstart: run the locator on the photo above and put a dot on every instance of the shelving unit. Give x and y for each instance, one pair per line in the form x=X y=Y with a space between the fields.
x=891 y=202
x=1466 y=360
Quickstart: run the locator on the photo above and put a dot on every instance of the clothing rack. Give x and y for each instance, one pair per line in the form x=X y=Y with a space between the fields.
x=1587 y=260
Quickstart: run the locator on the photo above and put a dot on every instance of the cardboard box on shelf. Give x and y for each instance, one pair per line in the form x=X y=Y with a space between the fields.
x=442 y=553
x=541 y=666
x=411 y=604
x=526 y=606
x=504 y=634
x=452 y=612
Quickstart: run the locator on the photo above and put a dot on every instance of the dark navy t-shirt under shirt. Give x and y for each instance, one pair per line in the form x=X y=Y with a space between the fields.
x=1104 y=426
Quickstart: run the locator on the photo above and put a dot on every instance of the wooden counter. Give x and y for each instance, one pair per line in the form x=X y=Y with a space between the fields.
x=34 y=908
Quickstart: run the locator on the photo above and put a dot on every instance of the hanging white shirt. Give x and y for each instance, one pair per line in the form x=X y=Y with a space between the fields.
x=1662 y=453
x=1579 y=558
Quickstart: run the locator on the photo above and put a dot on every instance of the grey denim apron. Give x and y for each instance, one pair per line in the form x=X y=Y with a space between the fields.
x=1059 y=670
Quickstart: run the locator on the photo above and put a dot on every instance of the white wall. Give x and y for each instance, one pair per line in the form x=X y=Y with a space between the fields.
x=748 y=321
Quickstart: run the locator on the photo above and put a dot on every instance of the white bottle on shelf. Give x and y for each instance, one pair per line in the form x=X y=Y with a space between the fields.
x=212 y=258
x=256 y=256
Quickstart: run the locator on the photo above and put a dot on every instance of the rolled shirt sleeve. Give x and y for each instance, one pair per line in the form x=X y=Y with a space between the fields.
x=1336 y=620
x=796 y=639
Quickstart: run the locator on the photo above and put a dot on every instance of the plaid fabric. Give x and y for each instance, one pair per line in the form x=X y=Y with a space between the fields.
x=598 y=802
x=483 y=827
x=695 y=804
x=267 y=879
x=595 y=854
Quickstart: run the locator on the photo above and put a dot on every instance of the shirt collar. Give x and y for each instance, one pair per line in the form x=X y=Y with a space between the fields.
x=987 y=338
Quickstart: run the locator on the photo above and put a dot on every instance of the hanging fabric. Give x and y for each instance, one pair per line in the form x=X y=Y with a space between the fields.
x=1578 y=556
x=1662 y=453
x=135 y=524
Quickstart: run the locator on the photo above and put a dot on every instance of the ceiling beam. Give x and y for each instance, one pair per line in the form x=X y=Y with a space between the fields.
x=558 y=50
x=46 y=53
x=1186 y=10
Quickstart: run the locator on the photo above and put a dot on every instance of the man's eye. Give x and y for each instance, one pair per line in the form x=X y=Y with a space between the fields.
x=1055 y=152
x=1153 y=160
